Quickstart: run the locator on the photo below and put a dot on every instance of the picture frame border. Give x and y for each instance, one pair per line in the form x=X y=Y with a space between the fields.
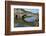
x=8 y=15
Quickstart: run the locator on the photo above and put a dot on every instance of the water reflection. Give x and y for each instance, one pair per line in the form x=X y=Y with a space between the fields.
x=19 y=25
x=29 y=19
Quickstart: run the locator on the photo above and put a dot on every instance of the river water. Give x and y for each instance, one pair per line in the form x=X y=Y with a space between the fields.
x=29 y=19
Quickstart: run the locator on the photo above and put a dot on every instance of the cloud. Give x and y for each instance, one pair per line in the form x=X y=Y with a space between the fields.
x=33 y=10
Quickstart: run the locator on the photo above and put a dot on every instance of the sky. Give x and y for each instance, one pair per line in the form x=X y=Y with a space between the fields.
x=33 y=10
